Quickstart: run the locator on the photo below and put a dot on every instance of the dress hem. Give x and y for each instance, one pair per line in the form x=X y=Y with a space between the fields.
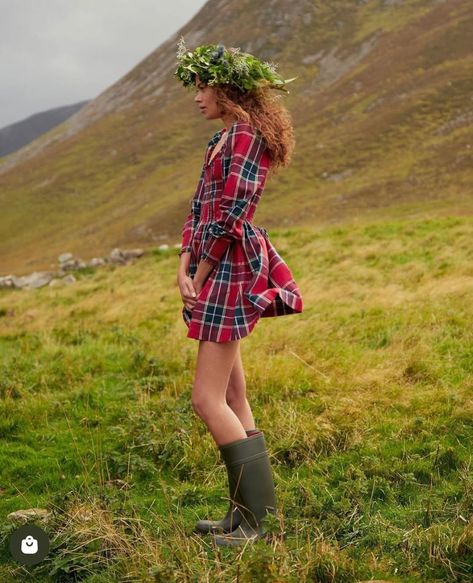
x=249 y=329
x=268 y=311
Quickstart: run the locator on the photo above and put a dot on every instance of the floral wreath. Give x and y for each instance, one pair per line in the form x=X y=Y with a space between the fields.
x=214 y=64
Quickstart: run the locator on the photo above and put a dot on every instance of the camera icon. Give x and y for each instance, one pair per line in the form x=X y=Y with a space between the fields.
x=29 y=545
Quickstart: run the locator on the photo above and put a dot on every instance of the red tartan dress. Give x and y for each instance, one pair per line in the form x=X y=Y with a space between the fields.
x=249 y=280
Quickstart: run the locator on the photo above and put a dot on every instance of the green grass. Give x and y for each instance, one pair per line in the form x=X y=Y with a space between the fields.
x=365 y=400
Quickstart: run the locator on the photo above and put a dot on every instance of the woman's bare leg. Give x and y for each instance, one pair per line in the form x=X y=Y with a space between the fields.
x=214 y=365
x=236 y=393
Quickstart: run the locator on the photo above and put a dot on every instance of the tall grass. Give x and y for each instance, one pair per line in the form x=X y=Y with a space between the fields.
x=365 y=400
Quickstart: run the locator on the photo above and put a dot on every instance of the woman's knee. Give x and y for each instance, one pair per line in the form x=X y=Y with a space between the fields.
x=236 y=388
x=202 y=404
x=236 y=395
x=214 y=367
x=198 y=403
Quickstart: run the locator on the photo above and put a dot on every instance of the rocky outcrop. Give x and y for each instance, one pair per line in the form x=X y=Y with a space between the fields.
x=68 y=263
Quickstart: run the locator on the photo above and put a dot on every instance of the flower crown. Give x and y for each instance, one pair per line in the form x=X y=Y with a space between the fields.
x=214 y=64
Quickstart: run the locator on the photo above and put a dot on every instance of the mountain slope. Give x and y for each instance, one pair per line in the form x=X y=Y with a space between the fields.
x=16 y=135
x=382 y=110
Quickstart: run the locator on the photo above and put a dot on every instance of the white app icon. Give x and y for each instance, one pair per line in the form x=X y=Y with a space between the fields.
x=29 y=545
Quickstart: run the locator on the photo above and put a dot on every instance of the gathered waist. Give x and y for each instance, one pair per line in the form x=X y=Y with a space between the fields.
x=202 y=225
x=202 y=228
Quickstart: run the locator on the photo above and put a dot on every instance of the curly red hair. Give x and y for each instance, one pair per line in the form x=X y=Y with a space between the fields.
x=264 y=111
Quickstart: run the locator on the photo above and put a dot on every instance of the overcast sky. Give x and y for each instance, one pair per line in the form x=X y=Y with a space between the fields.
x=59 y=52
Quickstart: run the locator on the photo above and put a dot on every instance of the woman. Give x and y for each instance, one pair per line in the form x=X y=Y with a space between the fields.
x=230 y=274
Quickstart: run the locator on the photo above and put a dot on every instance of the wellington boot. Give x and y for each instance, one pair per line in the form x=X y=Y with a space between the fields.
x=249 y=466
x=233 y=516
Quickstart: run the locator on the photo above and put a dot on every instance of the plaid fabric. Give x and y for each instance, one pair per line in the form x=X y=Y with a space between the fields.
x=249 y=279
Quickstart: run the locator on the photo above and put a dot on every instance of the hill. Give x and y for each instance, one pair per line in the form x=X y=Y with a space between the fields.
x=16 y=135
x=382 y=111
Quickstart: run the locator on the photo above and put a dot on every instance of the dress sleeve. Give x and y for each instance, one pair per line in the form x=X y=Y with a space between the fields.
x=245 y=176
x=192 y=218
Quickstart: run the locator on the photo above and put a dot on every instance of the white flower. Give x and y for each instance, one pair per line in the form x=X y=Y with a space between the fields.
x=241 y=66
x=271 y=66
x=181 y=48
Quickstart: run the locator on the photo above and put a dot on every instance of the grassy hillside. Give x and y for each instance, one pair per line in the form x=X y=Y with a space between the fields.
x=365 y=400
x=382 y=113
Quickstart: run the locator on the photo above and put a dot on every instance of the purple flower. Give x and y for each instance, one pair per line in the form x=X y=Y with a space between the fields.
x=218 y=54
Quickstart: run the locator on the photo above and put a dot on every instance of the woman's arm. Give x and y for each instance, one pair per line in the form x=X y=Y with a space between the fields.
x=203 y=270
x=246 y=175
x=184 y=261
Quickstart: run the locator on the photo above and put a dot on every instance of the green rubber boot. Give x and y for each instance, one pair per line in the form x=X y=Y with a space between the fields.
x=248 y=463
x=233 y=516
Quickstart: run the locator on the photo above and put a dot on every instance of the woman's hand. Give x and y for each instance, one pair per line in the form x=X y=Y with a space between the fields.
x=191 y=288
x=187 y=289
x=198 y=286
